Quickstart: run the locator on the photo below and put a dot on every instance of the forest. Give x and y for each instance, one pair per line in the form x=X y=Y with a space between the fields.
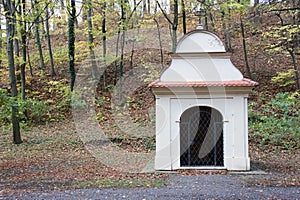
x=71 y=70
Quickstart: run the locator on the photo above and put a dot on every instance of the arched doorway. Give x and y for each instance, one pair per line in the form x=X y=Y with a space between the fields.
x=201 y=137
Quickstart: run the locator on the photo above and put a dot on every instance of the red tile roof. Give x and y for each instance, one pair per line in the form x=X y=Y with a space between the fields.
x=234 y=83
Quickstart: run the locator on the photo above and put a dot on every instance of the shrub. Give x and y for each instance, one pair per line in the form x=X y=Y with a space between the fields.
x=29 y=109
x=276 y=123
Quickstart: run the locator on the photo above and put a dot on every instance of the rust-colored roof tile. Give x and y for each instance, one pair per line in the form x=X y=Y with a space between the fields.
x=234 y=83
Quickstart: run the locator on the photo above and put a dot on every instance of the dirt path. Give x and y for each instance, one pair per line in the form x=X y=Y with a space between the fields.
x=180 y=187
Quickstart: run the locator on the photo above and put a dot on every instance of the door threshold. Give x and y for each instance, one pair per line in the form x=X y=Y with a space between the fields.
x=204 y=167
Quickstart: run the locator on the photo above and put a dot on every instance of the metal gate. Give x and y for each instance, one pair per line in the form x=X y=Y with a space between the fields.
x=201 y=137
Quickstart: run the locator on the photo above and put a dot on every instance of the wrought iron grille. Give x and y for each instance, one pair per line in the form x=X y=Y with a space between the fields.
x=201 y=137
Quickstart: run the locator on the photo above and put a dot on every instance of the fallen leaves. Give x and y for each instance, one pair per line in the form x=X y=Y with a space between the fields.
x=60 y=163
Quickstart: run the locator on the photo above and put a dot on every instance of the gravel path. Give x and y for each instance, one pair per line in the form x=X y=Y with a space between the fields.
x=180 y=187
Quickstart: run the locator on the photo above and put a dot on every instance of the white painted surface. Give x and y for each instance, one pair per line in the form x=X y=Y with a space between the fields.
x=201 y=69
x=231 y=102
x=168 y=130
x=198 y=42
x=205 y=67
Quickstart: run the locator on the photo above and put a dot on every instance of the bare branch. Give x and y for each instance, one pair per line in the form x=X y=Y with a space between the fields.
x=164 y=13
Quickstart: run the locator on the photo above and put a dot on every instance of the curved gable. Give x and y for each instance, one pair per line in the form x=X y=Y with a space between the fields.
x=200 y=41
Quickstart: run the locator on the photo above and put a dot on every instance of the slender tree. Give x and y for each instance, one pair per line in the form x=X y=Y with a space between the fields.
x=173 y=23
x=160 y=43
x=103 y=29
x=71 y=43
x=0 y=39
x=10 y=26
x=123 y=5
x=24 y=48
x=37 y=36
x=49 y=43
x=16 y=42
x=245 y=49
x=148 y=6
x=29 y=60
x=183 y=16
x=91 y=41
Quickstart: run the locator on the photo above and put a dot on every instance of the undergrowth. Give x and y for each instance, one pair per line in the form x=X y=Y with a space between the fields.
x=276 y=122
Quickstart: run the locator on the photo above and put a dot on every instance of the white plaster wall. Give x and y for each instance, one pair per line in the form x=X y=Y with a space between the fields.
x=234 y=112
x=163 y=150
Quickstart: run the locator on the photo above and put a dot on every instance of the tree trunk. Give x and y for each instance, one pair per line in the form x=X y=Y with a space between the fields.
x=38 y=39
x=122 y=27
x=245 y=50
x=91 y=42
x=297 y=76
x=174 y=26
x=39 y=46
x=84 y=10
x=183 y=16
x=104 y=42
x=204 y=11
x=29 y=62
x=24 y=50
x=160 y=43
x=144 y=7
x=71 y=44
x=16 y=44
x=0 y=40
x=133 y=46
x=148 y=6
x=227 y=36
x=174 y=23
x=298 y=23
x=212 y=23
x=11 y=65
x=117 y=55
x=49 y=44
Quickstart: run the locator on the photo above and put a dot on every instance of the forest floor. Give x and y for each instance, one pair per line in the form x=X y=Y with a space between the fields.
x=53 y=157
